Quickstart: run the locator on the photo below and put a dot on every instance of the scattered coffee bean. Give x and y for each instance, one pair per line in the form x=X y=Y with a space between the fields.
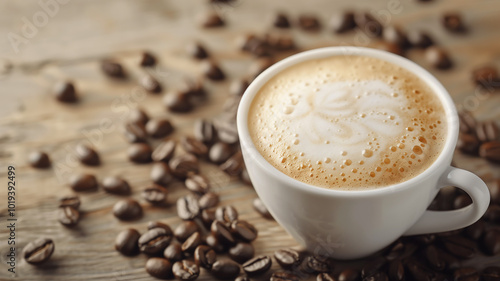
x=316 y=264
x=155 y=224
x=257 y=265
x=194 y=146
x=173 y=252
x=204 y=256
x=226 y=214
x=475 y=231
x=212 y=71
x=486 y=76
x=147 y=59
x=420 y=39
x=368 y=24
x=197 y=184
x=83 y=182
x=419 y=272
x=191 y=243
x=396 y=271
x=488 y=131
x=179 y=102
x=87 y=155
x=243 y=230
x=288 y=258
x=138 y=116
x=187 y=207
x=211 y=19
x=241 y=252
x=159 y=267
x=394 y=34
x=389 y=47
x=281 y=21
x=490 y=151
x=139 y=153
x=185 y=229
x=234 y=165
x=135 y=132
x=65 y=92
x=220 y=152
x=150 y=84
x=208 y=216
x=160 y=174
x=238 y=87
x=227 y=131
x=460 y=246
x=468 y=143
x=379 y=276
x=372 y=267
x=116 y=185
x=438 y=58
x=325 y=277
x=127 y=209
x=197 y=51
x=208 y=200
x=466 y=273
x=38 y=251
x=255 y=45
x=342 y=22
x=433 y=258
x=126 y=242
x=68 y=216
x=491 y=242
x=39 y=159
x=284 y=276
x=212 y=241
x=395 y=251
x=491 y=273
x=204 y=131
x=155 y=194
x=467 y=122
x=309 y=22
x=186 y=270
x=242 y=278
x=164 y=151
x=155 y=240
x=225 y=269
x=222 y=233
x=184 y=164
x=453 y=22
x=112 y=69
x=259 y=206
x=349 y=274
x=159 y=128
x=70 y=201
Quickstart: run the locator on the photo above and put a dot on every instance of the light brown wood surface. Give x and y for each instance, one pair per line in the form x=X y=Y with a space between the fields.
x=81 y=33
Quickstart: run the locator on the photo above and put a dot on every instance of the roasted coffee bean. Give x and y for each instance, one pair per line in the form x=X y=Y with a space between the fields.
x=116 y=185
x=222 y=233
x=475 y=231
x=185 y=229
x=220 y=152
x=368 y=24
x=259 y=206
x=278 y=43
x=211 y=19
x=225 y=269
x=468 y=143
x=70 y=201
x=112 y=69
x=438 y=58
x=257 y=265
x=173 y=252
x=389 y=47
x=316 y=264
x=453 y=22
x=194 y=146
x=395 y=251
x=234 y=165
x=396 y=271
x=460 y=246
x=372 y=266
x=126 y=242
x=160 y=174
x=155 y=240
x=155 y=224
x=420 y=39
x=227 y=132
x=39 y=159
x=433 y=258
x=68 y=216
x=159 y=128
x=150 y=84
x=197 y=51
x=419 y=272
x=159 y=267
x=164 y=151
x=281 y=21
x=186 y=270
x=208 y=216
x=288 y=258
x=212 y=241
x=468 y=123
x=486 y=76
x=491 y=273
x=38 y=251
x=379 y=276
x=238 y=87
x=394 y=34
x=127 y=209
x=241 y=252
x=83 y=182
x=137 y=116
x=182 y=165
x=488 y=131
x=204 y=256
x=87 y=155
x=309 y=22
x=139 y=153
x=490 y=151
x=491 y=242
x=208 y=200
x=197 y=183
x=243 y=230
x=466 y=273
x=187 y=207
x=135 y=132
x=147 y=59
x=178 y=102
x=191 y=243
x=349 y=274
x=65 y=92
x=341 y=22
x=325 y=277
x=284 y=276
x=212 y=71
x=242 y=278
x=155 y=194
x=226 y=214
x=204 y=131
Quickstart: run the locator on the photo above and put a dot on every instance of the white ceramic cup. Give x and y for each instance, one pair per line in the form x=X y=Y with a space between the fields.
x=354 y=224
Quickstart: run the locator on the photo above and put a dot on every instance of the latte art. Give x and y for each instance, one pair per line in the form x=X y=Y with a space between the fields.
x=347 y=122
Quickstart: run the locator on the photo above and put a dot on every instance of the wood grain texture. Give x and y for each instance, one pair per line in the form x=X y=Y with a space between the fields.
x=80 y=33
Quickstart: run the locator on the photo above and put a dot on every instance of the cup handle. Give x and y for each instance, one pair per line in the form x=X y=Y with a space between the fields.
x=439 y=221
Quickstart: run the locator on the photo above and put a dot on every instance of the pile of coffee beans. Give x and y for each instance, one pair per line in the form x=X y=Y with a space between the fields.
x=479 y=138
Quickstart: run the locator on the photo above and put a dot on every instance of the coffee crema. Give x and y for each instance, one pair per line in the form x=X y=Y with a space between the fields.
x=348 y=123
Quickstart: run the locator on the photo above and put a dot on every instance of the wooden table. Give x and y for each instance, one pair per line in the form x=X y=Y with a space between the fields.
x=70 y=42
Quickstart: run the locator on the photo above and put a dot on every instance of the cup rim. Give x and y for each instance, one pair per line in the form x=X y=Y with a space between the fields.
x=443 y=95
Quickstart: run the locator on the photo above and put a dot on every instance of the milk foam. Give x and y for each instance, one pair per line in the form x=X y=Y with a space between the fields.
x=348 y=123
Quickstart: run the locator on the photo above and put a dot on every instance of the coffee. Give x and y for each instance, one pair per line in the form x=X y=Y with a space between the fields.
x=348 y=123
